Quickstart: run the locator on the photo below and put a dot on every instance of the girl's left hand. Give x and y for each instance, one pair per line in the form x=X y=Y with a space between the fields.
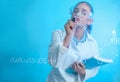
x=79 y=67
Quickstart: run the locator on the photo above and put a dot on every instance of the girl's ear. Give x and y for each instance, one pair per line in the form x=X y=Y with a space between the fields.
x=90 y=21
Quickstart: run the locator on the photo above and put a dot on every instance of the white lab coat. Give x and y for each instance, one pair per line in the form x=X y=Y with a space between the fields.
x=60 y=57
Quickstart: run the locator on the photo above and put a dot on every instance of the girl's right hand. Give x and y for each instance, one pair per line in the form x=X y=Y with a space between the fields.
x=69 y=27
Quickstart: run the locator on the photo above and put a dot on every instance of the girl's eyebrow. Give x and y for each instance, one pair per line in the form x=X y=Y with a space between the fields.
x=76 y=9
x=79 y=9
x=84 y=9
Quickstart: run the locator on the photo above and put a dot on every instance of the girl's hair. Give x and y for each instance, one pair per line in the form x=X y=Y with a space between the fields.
x=89 y=27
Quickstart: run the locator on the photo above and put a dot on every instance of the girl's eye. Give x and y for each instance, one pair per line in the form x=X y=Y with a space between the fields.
x=76 y=11
x=84 y=13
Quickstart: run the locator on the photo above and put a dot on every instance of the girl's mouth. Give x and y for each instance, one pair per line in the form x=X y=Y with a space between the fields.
x=77 y=20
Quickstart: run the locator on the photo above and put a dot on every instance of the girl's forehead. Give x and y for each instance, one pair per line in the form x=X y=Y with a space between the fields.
x=83 y=6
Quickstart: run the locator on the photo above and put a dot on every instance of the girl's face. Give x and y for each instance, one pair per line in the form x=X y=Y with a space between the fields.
x=82 y=15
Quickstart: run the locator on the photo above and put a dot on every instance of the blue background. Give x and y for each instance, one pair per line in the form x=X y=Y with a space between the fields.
x=25 y=34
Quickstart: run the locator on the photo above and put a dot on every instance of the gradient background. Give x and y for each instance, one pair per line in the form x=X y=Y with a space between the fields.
x=25 y=34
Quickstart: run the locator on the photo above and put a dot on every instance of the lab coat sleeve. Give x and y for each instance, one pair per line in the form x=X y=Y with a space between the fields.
x=56 y=49
x=91 y=73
